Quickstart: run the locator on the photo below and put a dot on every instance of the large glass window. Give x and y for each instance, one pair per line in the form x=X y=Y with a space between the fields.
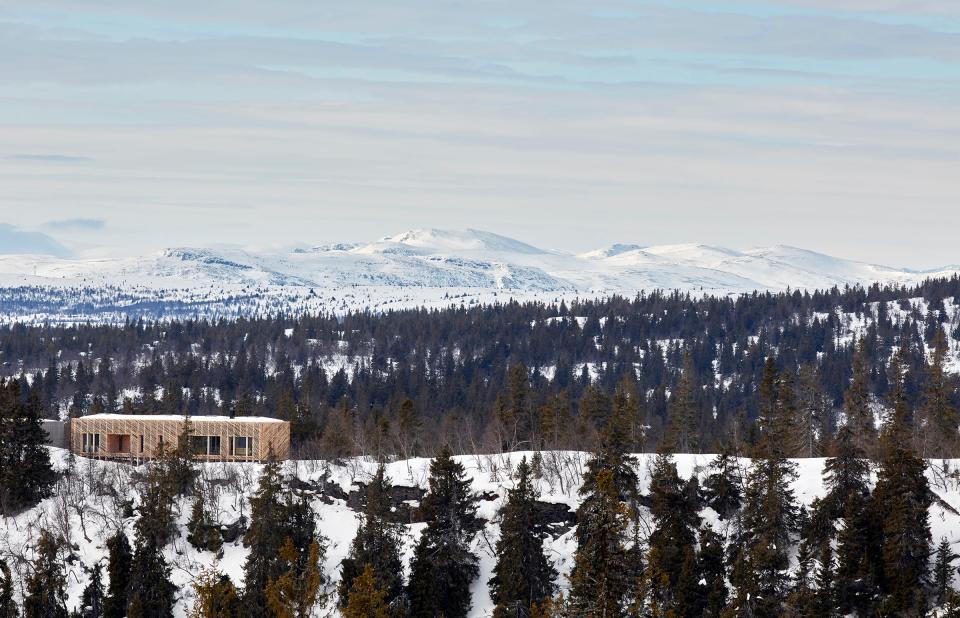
x=242 y=446
x=91 y=442
x=205 y=445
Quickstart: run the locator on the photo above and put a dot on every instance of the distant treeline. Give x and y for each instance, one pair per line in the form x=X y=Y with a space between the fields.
x=515 y=375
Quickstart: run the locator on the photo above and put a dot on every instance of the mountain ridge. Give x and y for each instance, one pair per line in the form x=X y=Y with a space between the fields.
x=428 y=265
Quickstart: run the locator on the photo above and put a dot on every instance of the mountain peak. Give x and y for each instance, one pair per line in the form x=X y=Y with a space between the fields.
x=469 y=240
x=618 y=248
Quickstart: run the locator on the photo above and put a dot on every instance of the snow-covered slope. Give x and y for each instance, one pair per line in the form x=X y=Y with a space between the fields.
x=419 y=267
x=89 y=509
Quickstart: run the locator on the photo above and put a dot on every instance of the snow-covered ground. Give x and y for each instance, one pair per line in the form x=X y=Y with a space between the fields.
x=234 y=484
x=434 y=268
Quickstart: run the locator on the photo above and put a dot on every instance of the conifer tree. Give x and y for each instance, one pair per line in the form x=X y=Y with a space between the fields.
x=46 y=585
x=943 y=571
x=443 y=566
x=377 y=544
x=34 y=474
x=764 y=537
x=151 y=592
x=951 y=608
x=215 y=596
x=938 y=411
x=597 y=583
x=816 y=411
x=684 y=429
x=722 y=485
x=26 y=476
x=201 y=532
x=366 y=600
x=264 y=538
x=802 y=600
x=900 y=502
x=8 y=605
x=712 y=570
x=299 y=588
x=856 y=400
x=858 y=559
x=91 y=602
x=612 y=455
x=845 y=474
x=672 y=542
x=825 y=605
x=118 y=570
x=523 y=576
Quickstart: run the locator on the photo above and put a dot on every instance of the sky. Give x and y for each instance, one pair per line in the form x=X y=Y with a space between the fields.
x=132 y=125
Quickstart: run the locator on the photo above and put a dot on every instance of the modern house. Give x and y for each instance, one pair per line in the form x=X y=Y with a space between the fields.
x=213 y=438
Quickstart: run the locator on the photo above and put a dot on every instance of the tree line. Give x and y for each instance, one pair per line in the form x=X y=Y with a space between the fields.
x=408 y=382
x=863 y=548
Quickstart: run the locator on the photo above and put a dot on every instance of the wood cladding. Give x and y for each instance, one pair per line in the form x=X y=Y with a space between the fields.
x=118 y=436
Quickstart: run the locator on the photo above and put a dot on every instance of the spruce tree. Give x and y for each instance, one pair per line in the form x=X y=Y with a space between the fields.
x=858 y=559
x=151 y=592
x=264 y=538
x=443 y=566
x=763 y=540
x=722 y=485
x=825 y=595
x=846 y=474
x=943 y=571
x=856 y=400
x=8 y=605
x=201 y=532
x=712 y=570
x=802 y=600
x=26 y=476
x=683 y=432
x=46 y=585
x=901 y=502
x=91 y=602
x=938 y=410
x=672 y=542
x=377 y=544
x=366 y=600
x=298 y=590
x=612 y=455
x=215 y=596
x=523 y=576
x=34 y=474
x=597 y=582
x=119 y=560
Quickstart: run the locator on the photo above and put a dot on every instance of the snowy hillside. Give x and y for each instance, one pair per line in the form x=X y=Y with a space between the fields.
x=415 y=268
x=88 y=510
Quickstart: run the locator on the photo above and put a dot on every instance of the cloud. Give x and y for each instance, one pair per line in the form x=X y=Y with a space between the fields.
x=14 y=240
x=49 y=158
x=76 y=224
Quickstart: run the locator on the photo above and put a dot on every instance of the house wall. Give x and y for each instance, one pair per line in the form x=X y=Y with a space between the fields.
x=265 y=435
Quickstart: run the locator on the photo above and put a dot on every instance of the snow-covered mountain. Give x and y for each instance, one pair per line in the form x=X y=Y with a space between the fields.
x=418 y=267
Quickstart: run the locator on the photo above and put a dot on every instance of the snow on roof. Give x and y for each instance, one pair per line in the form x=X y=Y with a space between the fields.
x=181 y=418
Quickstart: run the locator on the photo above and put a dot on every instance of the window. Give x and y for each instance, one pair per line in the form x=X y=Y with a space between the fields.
x=91 y=442
x=198 y=445
x=141 y=444
x=205 y=445
x=242 y=446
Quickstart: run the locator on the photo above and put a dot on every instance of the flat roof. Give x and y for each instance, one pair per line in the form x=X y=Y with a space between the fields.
x=180 y=418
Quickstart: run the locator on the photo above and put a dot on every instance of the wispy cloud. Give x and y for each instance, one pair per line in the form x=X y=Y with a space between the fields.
x=49 y=158
x=300 y=120
x=76 y=224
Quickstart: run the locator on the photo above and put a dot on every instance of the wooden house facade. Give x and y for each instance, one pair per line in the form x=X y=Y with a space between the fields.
x=212 y=438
